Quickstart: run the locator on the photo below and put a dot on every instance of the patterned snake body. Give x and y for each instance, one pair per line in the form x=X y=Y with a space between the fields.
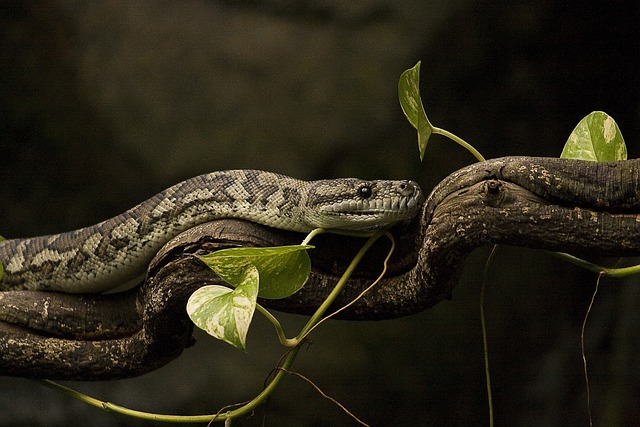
x=117 y=251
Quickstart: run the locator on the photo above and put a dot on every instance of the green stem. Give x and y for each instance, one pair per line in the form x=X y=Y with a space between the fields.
x=485 y=340
x=311 y=235
x=607 y=271
x=459 y=141
x=287 y=342
x=241 y=411
x=366 y=290
x=317 y=316
x=353 y=233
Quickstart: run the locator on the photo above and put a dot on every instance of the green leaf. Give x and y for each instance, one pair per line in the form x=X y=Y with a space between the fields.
x=283 y=269
x=411 y=103
x=226 y=313
x=596 y=138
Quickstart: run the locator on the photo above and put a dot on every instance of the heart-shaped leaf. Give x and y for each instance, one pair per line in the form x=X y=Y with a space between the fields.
x=596 y=138
x=226 y=313
x=411 y=103
x=283 y=269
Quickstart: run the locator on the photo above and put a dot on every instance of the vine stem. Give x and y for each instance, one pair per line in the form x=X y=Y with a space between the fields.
x=287 y=342
x=317 y=316
x=606 y=271
x=375 y=282
x=455 y=138
x=243 y=410
x=483 y=323
x=582 y=351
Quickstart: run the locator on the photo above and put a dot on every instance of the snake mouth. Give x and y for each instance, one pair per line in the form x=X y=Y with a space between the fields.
x=381 y=207
x=367 y=215
x=373 y=213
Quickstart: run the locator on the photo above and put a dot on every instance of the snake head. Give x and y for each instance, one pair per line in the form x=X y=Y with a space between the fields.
x=355 y=204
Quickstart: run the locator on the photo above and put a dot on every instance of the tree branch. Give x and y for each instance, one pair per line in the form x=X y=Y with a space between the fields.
x=578 y=207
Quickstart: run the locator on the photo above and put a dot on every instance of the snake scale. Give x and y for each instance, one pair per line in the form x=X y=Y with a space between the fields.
x=117 y=251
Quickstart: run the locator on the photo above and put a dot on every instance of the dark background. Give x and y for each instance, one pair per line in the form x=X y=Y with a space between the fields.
x=105 y=103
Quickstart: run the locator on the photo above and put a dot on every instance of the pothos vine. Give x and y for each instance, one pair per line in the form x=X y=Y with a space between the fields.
x=226 y=312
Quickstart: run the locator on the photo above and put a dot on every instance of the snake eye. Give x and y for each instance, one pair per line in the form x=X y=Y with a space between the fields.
x=365 y=192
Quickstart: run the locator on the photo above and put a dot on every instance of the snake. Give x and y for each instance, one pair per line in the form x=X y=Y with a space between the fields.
x=116 y=252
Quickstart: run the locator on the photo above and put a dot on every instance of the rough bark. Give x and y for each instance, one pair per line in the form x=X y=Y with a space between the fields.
x=563 y=205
